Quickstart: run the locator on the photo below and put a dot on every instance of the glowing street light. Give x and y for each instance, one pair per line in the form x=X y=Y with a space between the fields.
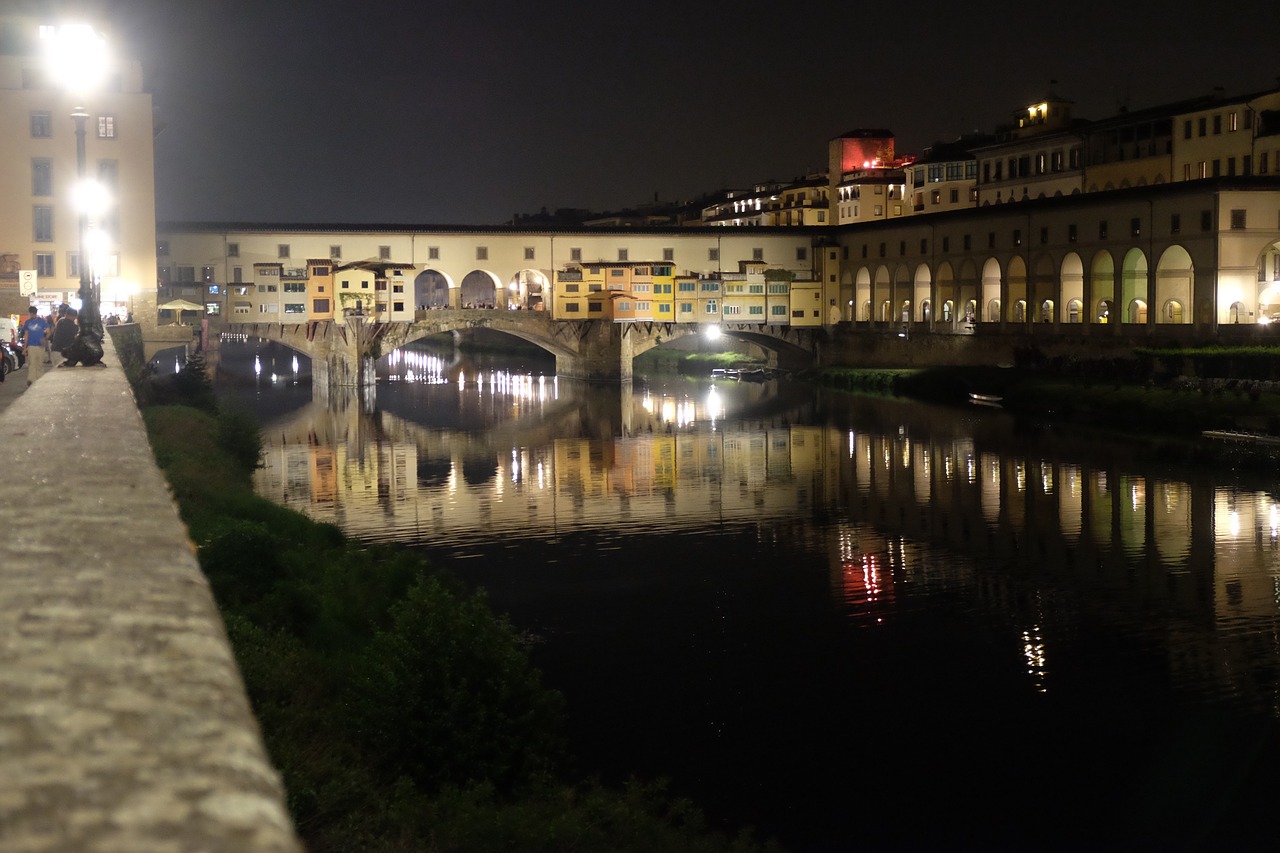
x=78 y=59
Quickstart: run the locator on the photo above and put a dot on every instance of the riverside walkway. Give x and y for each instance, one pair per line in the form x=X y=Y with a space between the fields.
x=124 y=723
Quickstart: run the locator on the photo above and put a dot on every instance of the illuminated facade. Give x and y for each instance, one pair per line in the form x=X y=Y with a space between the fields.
x=867 y=181
x=39 y=224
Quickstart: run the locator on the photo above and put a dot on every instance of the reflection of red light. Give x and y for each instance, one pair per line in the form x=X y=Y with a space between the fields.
x=867 y=586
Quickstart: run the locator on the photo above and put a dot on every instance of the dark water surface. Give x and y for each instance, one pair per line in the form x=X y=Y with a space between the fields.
x=852 y=624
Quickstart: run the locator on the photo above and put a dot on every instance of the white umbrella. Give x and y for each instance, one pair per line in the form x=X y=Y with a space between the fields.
x=181 y=305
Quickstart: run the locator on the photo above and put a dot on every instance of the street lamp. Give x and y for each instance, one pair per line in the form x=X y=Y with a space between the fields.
x=78 y=57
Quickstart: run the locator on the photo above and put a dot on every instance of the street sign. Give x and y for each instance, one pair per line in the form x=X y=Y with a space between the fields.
x=27 y=282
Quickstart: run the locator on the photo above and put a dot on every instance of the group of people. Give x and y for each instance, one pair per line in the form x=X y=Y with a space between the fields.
x=43 y=338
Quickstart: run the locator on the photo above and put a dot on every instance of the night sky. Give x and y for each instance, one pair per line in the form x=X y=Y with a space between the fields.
x=391 y=111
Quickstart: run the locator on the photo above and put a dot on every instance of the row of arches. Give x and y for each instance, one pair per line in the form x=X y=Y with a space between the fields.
x=528 y=289
x=958 y=295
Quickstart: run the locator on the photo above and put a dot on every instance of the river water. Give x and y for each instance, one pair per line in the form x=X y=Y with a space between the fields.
x=850 y=623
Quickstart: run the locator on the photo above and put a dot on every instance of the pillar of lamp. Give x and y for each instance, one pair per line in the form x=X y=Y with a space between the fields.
x=87 y=349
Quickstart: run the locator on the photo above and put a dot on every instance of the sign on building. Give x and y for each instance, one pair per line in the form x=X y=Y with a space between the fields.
x=27 y=282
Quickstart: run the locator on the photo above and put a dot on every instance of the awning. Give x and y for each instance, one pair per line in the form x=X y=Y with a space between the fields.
x=181 y=305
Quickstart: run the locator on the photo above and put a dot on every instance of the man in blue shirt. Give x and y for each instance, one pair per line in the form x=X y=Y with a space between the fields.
x=32 y=335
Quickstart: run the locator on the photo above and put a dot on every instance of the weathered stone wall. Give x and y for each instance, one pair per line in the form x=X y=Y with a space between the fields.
x=124 y=723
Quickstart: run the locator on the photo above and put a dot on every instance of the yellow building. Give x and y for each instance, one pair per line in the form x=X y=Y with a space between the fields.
x=744 y=294
x=663 y=279
x=806 y=308
x=321 y=297
x=263 y=295
x=39 y=223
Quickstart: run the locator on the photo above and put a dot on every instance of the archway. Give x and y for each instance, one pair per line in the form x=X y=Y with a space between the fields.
x=991 y=295
x=945 y=288
x=1071 y=274
x=479 y=289
x=1016 y=286
x=1102 y=286
x=923 y=285
x=1046 y=311
x=527 y=291
x=1020 y=311
x=1133 y=285
x=847 y=292
x=1269 y=284
x=1174 y=276
x=431 y=290
x=993 y=311
x=881 y=294
x=1172 y=312
x=862 y=291
x=1236 y=311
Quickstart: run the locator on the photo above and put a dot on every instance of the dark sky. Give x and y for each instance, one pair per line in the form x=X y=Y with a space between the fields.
x=391 y=111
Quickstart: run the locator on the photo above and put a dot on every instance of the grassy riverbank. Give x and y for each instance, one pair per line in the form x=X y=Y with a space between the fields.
x=403 y=714
x=1234 y=390
x=660 y=360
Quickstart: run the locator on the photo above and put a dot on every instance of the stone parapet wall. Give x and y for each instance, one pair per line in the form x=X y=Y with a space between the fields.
x=124 y=723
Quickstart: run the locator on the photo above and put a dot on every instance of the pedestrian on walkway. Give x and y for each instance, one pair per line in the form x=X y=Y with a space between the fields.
x=65 y=330
x=32 y=335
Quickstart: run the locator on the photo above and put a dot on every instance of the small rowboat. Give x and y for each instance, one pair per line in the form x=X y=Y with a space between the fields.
x=1243 y=437
x=986 y=399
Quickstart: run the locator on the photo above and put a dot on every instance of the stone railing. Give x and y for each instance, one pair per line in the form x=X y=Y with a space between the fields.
x=124 y=723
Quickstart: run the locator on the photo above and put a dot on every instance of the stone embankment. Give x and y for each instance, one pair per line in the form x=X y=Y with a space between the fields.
x=124 y=723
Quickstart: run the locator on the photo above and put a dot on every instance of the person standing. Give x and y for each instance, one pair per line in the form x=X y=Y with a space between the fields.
x=32 y=335
x=64 y=331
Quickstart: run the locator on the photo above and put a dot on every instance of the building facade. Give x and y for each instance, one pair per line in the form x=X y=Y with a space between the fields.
x=39 y=226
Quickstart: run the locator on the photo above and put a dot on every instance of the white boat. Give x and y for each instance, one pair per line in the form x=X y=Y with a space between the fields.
x=1243 y=437
x=986 y=399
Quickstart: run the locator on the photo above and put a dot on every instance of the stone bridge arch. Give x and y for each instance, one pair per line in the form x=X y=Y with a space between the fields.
x=344 y=353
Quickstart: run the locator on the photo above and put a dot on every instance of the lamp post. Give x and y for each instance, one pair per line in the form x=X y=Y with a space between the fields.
x=87 y=348
x=78 y=57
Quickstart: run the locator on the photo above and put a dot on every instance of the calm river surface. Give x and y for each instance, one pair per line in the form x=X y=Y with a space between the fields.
x=852 y=624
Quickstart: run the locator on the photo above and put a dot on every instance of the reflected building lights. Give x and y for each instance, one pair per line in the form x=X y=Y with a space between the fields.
x=1033 y=650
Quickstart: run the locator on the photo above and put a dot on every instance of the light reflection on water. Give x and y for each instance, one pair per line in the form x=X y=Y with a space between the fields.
x=737 y=583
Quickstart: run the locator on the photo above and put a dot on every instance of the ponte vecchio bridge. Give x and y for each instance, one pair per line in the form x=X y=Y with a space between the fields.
x=344 y=353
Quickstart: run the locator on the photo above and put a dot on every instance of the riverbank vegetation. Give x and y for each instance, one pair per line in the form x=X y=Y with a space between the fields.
x=402 y=713
x=689 y=363
x=1173 y=392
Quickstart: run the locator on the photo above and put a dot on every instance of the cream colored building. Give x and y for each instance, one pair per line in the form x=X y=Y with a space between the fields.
x=1040 y=156
x=1226 y=137
x=39 y=224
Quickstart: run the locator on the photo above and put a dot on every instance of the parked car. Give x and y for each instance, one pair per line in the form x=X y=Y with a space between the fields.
x=8 y=359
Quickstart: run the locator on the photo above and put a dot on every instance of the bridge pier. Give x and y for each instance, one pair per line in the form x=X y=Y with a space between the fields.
x=604 y=354
x=344 y=354
x=342 y=370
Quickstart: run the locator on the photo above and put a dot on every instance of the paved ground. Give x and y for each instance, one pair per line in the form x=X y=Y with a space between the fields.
x=124 y=725
x=13 y=385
